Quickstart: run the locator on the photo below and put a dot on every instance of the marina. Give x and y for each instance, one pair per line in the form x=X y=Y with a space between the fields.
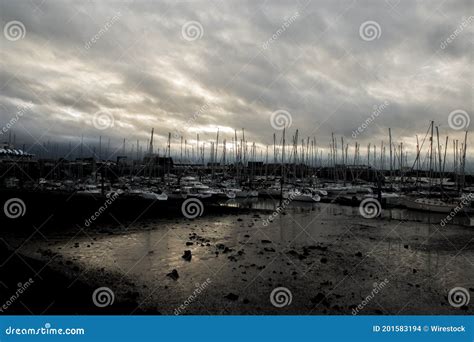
x=219 y=158
x=153 y=230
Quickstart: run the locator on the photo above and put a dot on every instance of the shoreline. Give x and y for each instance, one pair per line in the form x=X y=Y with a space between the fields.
x=251 y=266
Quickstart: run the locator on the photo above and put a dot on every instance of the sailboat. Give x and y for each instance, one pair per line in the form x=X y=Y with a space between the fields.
x=435 y=205
x=306 y=195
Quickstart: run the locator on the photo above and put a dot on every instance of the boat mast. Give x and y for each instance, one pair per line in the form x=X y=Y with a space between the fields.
x=439 y=159
x=463 y=177
x=431 y=154
x=391 y=155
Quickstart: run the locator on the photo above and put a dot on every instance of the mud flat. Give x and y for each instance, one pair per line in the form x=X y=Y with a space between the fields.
x=329 y=259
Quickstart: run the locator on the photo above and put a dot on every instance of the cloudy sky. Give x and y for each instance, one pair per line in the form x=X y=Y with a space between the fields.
x=118 y=68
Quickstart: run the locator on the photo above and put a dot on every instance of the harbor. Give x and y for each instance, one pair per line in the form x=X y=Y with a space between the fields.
x=330 y=231
x=237 y=158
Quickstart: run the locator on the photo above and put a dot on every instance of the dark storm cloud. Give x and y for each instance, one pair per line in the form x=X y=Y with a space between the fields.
x=129 y=58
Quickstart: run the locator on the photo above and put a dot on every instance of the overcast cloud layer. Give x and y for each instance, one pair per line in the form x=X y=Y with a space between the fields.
x=133 y=61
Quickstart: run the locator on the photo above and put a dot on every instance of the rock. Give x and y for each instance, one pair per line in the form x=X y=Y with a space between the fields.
x=320 y=299
x=320 y=248
x=232 y=296
x=266 y=241
x=324 y=260
x=173 y=275
x=269 y=249
x=246 y=301
x=239 y=220
x=358 y=254
x=187 y=255
x=189 y=243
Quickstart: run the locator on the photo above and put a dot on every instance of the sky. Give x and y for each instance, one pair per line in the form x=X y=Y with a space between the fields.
x=116 y=69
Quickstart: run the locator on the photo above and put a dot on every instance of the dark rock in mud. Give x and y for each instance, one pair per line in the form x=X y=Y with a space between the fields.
x=173 y=275
x=320 y=248
x=320 y=299
x=187 y=255
x=232 y=296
